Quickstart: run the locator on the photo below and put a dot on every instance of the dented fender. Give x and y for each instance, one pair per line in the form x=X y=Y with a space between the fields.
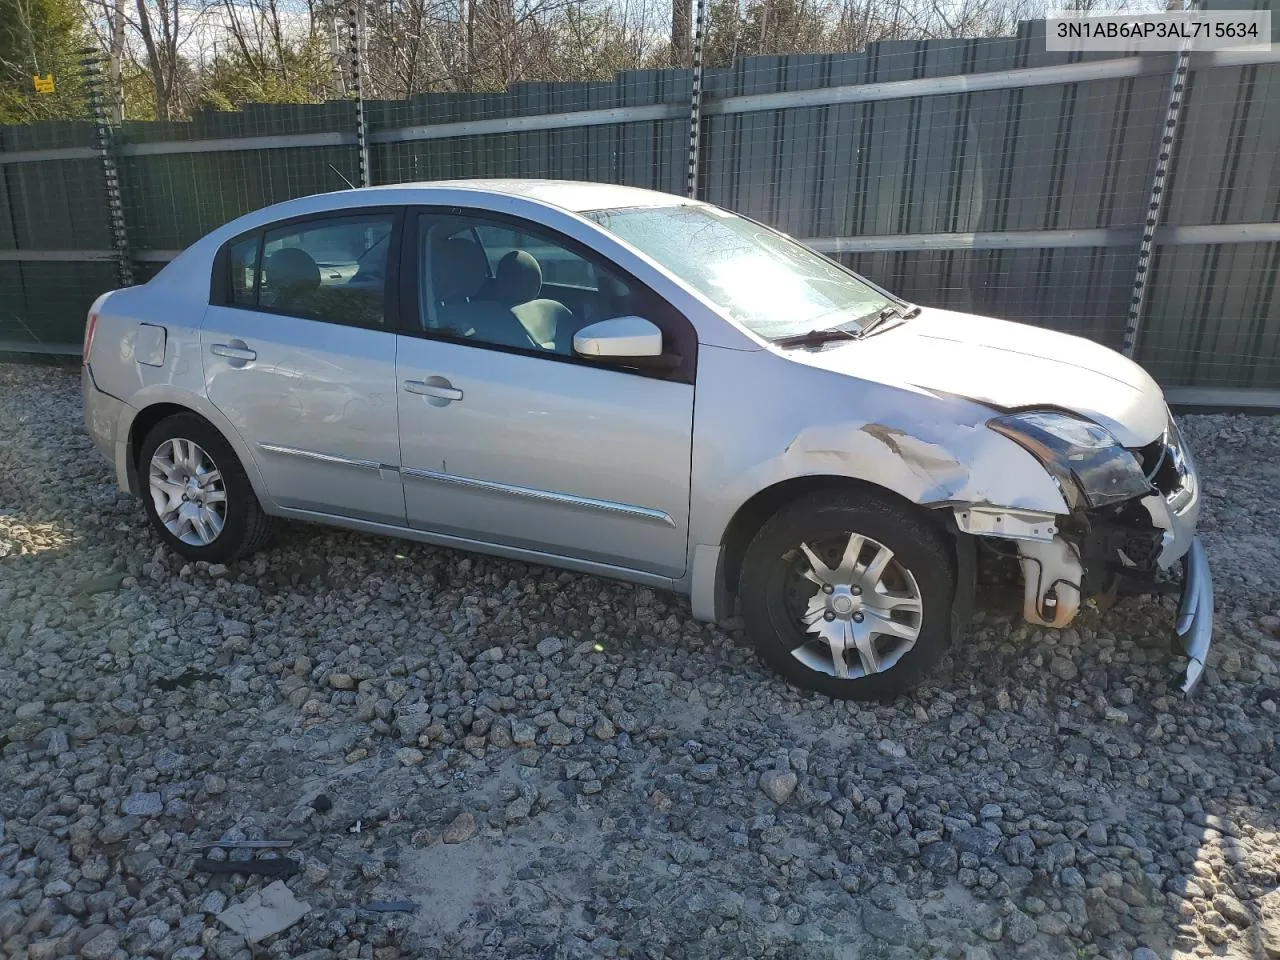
x=752 y=433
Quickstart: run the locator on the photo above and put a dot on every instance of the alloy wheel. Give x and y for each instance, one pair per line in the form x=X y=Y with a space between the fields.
x=857 y=609
x=188 y=491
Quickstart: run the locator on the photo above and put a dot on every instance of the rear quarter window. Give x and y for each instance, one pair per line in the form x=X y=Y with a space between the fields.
x=242 y=262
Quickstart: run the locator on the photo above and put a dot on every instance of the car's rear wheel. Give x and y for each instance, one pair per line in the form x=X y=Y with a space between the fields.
x=197 y=494
x=849 y=594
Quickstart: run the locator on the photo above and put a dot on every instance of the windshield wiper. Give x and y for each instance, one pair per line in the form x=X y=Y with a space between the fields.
x=816 y=338
x=892 y=312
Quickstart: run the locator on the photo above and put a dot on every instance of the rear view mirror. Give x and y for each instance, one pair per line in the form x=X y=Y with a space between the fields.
x=619 y=338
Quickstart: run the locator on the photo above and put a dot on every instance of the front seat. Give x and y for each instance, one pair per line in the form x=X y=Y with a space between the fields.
x=519 y=282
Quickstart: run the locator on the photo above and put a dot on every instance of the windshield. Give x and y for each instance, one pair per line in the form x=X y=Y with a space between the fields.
x=770 y=284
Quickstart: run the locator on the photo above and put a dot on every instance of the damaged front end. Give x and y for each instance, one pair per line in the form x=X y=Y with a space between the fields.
x=1132 y=515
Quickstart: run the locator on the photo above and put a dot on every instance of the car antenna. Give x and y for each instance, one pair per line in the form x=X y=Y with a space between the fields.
x=341 y=177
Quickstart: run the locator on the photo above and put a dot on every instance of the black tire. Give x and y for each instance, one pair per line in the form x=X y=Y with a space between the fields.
x=246 y=527
x=768 y=587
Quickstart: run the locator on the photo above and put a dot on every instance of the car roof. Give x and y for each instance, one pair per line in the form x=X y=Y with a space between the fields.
x=573 y=195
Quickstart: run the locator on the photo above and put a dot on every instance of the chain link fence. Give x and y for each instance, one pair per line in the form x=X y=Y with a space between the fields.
x=1129 y=199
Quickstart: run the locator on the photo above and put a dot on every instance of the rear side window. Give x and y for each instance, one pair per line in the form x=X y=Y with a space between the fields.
x=332 y=269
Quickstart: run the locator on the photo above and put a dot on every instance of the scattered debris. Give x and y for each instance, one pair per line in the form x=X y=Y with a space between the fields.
x=266 y=912
x=103 y=584
x=266 y=868
x=242 y=844
x=391 y=906
x=185 y=679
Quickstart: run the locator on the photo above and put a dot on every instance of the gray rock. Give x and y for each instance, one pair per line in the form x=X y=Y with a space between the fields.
x=518 y=809
x=102 y=946
x=889 y=926
x=891 y=748
x=1062 y=668
x=778 y=785
x=460 y=829
x=993 y=930
x=549 y=646
x=1233 y=910
x=670 y=720
x=559 y=734
x=1019 y=927
x=411 y=720
x=116 y=830
x=167 y=761
x=976 y=840
x=143 y=805
x=1071 y=879
x=941 y=858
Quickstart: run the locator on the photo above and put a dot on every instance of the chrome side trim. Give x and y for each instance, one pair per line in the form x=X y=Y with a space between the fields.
x=325 y=457
x=544 y=496
x=593 y=567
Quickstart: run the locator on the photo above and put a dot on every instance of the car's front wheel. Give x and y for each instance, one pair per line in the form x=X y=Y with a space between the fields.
x=197 y=493
x=849 y=594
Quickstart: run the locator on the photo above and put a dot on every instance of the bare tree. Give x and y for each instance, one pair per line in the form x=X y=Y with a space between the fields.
x=681 y=27
x=115 y=67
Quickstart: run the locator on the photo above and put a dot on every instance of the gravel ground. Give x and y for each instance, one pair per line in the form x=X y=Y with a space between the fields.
x=553 y=765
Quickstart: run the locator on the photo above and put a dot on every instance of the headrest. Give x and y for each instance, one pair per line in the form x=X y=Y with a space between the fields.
x=519 y=278
x=459 y=269
x=292 y=268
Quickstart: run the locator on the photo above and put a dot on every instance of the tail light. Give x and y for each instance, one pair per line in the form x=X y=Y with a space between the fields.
x=89 y=327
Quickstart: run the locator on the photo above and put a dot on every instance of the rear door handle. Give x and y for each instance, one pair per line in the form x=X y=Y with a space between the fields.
x=441 y=389
x=233 y=353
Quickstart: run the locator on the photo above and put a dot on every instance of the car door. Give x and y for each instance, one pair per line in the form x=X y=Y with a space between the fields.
x=505 y=436
x=299 y=352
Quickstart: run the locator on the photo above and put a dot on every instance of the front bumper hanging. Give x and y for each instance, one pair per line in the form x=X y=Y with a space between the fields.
x=1194 y=625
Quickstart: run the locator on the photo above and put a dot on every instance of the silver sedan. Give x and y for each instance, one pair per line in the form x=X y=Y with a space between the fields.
x=639 y=386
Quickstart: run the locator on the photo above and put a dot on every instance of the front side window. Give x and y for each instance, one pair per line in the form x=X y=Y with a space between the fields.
x=770 y=284
x=333 y=270
x=492 y=282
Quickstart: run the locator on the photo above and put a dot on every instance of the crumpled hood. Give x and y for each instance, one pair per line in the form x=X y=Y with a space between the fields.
x=1007 y=366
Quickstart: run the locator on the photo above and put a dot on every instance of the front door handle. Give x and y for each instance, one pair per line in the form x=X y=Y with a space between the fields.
x=232 y=352
x=436 y=387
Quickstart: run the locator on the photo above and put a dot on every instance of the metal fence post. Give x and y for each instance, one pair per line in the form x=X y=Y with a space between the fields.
x=91 y=68
x=1164 y=158
x=695 y=102
x=355 y=25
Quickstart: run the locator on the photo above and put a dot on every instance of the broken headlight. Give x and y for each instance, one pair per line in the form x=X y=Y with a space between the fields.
x=1090 y=466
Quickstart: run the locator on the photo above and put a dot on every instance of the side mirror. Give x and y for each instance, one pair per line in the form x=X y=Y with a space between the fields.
x=618 y=338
